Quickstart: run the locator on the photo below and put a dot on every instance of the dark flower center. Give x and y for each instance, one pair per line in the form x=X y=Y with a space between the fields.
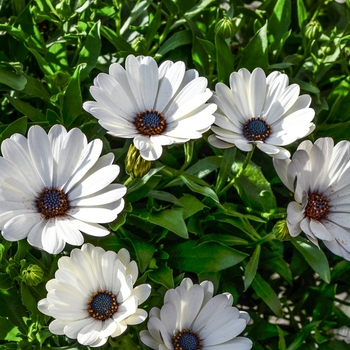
x=52 y=202
x=187 y=340
x=102 y=305
x=316 y=207
x=256 y=129
x=150 y=123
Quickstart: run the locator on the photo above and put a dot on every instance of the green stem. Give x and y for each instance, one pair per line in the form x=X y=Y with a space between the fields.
x=239 y=173
x=128 y=181
x=188 y=147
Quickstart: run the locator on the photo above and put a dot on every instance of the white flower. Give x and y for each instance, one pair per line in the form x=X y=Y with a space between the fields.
x=92 y=296
x=340 y=1
x=191 y=318
x=52 y=186
x=319 y=176
x=343 y=333
x=260 y=110
x=154 y=106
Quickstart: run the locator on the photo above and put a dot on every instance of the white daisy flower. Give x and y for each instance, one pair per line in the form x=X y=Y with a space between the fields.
x=93 y=296
x=260 y=110
x=52 y=186
x=343 y=333
x=192 y=319
x=319 y=176
x=156 y=106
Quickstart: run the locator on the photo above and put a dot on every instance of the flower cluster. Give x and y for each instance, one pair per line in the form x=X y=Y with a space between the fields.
x=55 y=186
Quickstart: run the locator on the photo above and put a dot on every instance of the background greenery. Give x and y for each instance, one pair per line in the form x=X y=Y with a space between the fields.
x=181 y=219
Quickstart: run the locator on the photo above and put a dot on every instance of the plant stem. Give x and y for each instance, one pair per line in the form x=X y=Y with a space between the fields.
x=239 y=173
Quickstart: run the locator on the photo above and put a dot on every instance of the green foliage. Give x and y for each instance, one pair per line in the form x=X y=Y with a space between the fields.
x=199 y=211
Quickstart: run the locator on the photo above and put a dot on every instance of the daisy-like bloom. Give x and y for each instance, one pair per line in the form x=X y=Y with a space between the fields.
x=55 y=185
x=319 y=176
x=192 y=319
x=93 y=296
x=156 y=106
x=343 y=333
x=260 y=110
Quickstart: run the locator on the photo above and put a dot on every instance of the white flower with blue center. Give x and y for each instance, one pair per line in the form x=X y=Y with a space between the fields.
x=55 y=186
x=260 y=110
x=192 y=319
x=93 y=297
x=319 y=176
x=155 y=106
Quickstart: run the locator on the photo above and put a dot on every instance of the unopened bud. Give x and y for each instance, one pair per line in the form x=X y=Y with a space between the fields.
x=135 y=165
x=281 y=231
x=32 y=275
x=225 y=28
x=313 y=30
x=139 y=44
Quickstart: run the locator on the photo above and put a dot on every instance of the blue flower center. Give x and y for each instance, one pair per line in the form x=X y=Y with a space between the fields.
x=187 y=340
x=256 y=129
x=52 y=202
x=102 y=305
x=316 y=207
x=150 y=123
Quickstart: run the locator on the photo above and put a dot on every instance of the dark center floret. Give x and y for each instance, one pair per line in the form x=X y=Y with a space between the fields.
x=102 y=305
x=317 y=207
x=150 y=123
x=187 y=340
x=52 y=202
x=256 y=129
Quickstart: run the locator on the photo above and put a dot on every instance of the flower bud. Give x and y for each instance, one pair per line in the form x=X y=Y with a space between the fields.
x=281 y=231
x=313 y=30
x=225 y=28
x=32 y=275
x=135 y=165
x=139 y=44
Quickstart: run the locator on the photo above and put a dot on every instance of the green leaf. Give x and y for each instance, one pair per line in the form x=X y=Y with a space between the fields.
x=304 y=332
x=253 y=188
x=25 y=108
x=72 y=100
x=267 y=294
x=171 y=219
x=35 y=88
x=165 y=196
x=251 y=267
x=302 y=14
x=18 y=126
x=154 y=25
x=163 y=276
x=28 y=300
x=12 y=308
x=208 y=46
x=204 y=257
x=227 y=160
x=5 y=281
x=181 y=38
x=314 y=257
x=57 y=56
x=43 y=64
x=143 y=249
x=90 y=51
x=279 y=23
x=255 y=54
x=8 y=331
x=11 y=79
x=116 y=40
x=224 y=59
x=205 y=191
x=191 y=205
